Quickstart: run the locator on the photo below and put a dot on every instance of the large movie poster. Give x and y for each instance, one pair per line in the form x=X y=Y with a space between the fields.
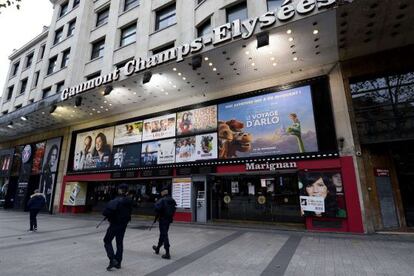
x=93 y=149
x=271 y=124
x=159 y=127
x=321 y=194
x=166 y=151
x=49 y=170
x=197 y=120
x=6 y=160
x=149 y=153
x=206 y=146
x=128 y=133
x=185 y=149
x=38 y=157
x=126 y=156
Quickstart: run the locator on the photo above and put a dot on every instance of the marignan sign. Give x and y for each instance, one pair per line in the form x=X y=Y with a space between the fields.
x=224 y=33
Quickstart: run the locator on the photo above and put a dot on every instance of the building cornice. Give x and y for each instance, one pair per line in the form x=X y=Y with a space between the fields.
x=30 y=44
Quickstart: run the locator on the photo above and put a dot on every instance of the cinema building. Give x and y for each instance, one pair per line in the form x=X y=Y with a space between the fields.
x=285 y=113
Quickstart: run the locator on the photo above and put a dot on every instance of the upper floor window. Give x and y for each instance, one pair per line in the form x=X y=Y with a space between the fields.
x=199 y=1
x=165 y=17
x=98 y=48
x=204 y=28
x=42 y=51
x=60 y=86
x=163 y=48
x=46 y=92
x=18 y=106
x=93 y=75
x=10 y=92
x=273 y=5
x=52 y=65
x=15 y=68
x=102 y=16
x=23 y=85
x=64 y=8
x=29 y=60
x=58 y=36
x=4 y=112
x=71 y=27
x=76 y=3
x=65 y=58
x=235 y=12
x=36 y=79
x=128 y=4
x=128 y=34
x=122 y=64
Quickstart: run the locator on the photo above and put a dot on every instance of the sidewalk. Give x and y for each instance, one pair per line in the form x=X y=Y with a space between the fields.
x=71 y=245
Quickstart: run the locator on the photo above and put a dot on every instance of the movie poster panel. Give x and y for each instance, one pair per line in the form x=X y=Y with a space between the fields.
x=126 y=156
x=197 y=120
x=128 y=133
x=166 y=151
x=321 y=194
x=93 y=149
x=49 y=170
x=159 y=127
x=6 y=160
x=185 y=149
x=38 y=157
x=149 y=153
x=271 y=124
x=206 y=146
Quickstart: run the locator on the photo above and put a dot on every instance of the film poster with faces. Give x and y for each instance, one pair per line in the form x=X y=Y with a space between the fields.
x=197 y=120
x=185 y=149
x=270 y=124
x=126 y=156
x=38 y=157
x=49 y=169
x=26 y=157
x=128 y=133
x=159 y=127
x=322 y=194
x=93 y=149
x=6 y=160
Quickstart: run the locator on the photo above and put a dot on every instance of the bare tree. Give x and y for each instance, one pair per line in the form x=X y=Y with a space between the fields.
x=9 y=3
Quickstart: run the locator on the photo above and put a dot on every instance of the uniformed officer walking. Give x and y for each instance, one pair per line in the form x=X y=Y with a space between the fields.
x=165 y=209
x=118 y=212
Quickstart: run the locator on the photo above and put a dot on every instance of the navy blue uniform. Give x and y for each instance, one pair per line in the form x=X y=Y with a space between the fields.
x=165 y=209
x=35 y=204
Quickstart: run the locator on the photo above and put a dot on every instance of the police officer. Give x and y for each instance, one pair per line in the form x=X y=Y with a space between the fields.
x=165 y=209
x=118 y=212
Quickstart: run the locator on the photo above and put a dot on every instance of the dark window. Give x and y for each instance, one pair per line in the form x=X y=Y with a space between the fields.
x=52 y=65
x=130 y=4
x=29 y=60
x=36 y=79
x=98 y=48
x=65 y=58
x=4 y=112
x=163 y=48
x=42 y=51
x=204 y=28
x=58 y=36
x=199 y=1
x=122 y=64
x=128 y=34
x=102 y=16
x=165 y=17
x=46 y=92
x=273 y=5
x=18 y=107
x=15 y=68
x=64 y=8
x=60 y=86
x=94 y=75
x=10 y=92
x=23 y=85
x=71 y=27
x=76 y=3
x=238 y=11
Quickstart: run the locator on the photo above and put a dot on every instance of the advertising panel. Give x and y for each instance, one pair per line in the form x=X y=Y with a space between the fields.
x=75 y=194
x=166 y=151
x=197 y=120
x=38 y=157
x=126 y=156
x=6 y=160
x=181 y=192
x=128 y=133
x=271 y=124
x=321 y=194
x=93 y=149
x=149 y=153
x=206 y=146
x=159 y=127
x=185 y=149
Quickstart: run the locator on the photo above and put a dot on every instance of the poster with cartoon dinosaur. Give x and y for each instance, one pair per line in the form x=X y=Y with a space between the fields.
x=271 y=124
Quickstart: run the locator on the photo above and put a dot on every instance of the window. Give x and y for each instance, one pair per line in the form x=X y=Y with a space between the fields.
x=52 y=65
x=76 y=3
x=94 y=75
x=98 y=48
x=4 y=112
x=163 y=48
x=64 y=8
x=130 y=4
x=42 y=51
x=10 y=92
x=60 y=86
x=15 y=68
x=36 y=79
x=71 y=27
x=18 y=107
x=23 y=85
x=29 y=60
x=58 y=36
x=273 y=5
x=165 y=17
x=65 y=58
x=46 y=92
x=204 y=28
x=199 y=1
x=122 y=64
x=102 y=16
x=238 y=11
x=128 y=34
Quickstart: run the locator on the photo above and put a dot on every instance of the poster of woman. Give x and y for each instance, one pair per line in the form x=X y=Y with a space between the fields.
x=38 y=157
x=128 y=133
x=159 y=127
x=197 y=120
x=185 y=149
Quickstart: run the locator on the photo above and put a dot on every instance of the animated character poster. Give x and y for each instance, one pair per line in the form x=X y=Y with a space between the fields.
x=185 y=149
x=206 y=146
x=271 y=124
x=128 y=133
x=166 y=151
x=159 y=127
x=126 y=156
x=197 y=120
x=149 y=153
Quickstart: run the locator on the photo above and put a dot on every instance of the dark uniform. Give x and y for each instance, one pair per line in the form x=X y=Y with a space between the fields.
x=118 y=212
x=165 y=209
x=36 y=203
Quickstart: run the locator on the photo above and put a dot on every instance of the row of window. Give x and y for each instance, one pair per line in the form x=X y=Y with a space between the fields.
x=53 y=62
x=64 y=7
x=59 y=32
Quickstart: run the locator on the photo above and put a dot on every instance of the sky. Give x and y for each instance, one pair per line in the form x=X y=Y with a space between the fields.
x=17 y=27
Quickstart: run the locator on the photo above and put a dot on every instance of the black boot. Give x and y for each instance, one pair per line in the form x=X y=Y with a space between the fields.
x=112 y=263
x=167 y=254
x=156 y=249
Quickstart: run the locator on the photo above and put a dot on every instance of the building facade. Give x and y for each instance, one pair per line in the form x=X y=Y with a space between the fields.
x=262 y=111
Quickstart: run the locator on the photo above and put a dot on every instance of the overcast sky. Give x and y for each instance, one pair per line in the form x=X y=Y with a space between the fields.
x=17 y=27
